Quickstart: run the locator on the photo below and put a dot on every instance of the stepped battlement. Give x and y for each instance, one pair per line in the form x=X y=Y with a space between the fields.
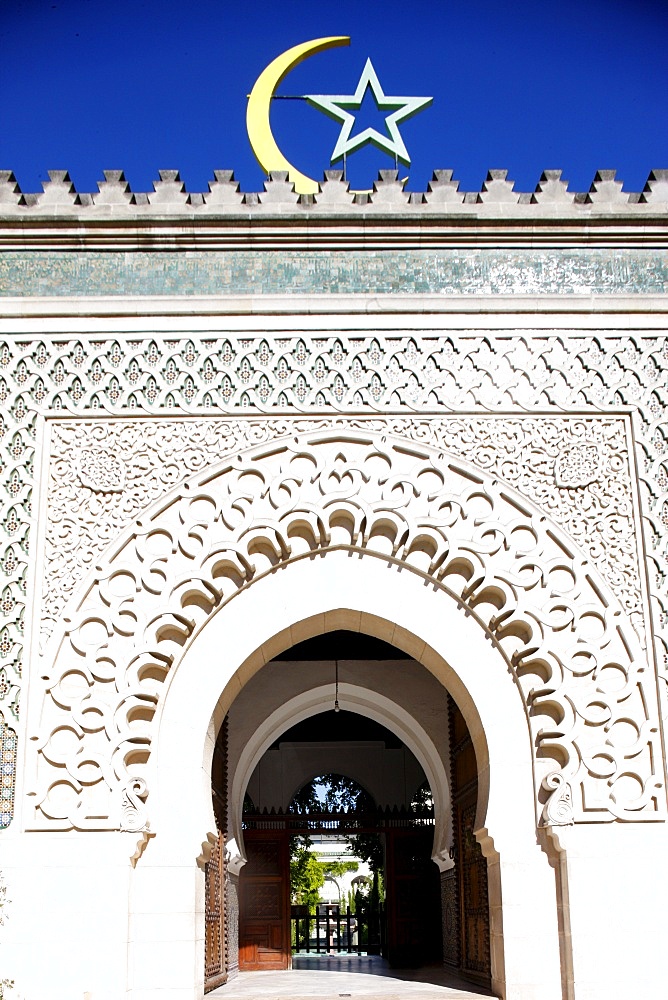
x=497 y=198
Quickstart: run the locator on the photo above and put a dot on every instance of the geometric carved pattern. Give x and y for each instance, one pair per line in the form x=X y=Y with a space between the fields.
x=471 y=890
x=450 y=911
x=566 y=637
x=475 y=906
x=192 y=373
x=232 y=923
x=263 y=901
x=591 y=499
x=7 y=772
x=214 y=950
x=265 y=859
x=215 y=929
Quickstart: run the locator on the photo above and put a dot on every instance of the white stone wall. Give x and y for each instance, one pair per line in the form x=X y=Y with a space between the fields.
x=121 y=423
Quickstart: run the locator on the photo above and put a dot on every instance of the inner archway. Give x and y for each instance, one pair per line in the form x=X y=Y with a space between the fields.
x=303 y=737
x=315 y=597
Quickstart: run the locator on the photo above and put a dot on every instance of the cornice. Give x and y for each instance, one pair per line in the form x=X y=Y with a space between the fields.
x=519 y=311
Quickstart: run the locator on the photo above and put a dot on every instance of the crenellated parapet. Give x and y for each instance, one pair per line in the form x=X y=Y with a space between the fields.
x=497 y=197
x=172 y=218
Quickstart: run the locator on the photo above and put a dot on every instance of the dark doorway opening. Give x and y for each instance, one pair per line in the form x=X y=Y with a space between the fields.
x=429 y=914
x=402 y=922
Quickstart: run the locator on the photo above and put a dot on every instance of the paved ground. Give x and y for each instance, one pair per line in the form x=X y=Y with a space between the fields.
x=331 y=977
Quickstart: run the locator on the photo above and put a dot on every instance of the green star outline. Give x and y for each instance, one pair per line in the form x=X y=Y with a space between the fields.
x=336 y=107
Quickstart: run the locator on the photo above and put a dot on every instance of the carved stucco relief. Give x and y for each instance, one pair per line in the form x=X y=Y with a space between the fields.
x=195 y=373
x=380 y=487
x=575 y=468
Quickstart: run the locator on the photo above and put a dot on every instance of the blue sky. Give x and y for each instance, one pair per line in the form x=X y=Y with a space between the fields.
x=142 y=85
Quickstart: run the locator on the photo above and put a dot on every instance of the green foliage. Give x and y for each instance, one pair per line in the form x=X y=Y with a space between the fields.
x=306 y=877
x=338 y=868
x=367 y=906
x=308 y=874
x=423 y=799
x=368 y=847
x=332 y=792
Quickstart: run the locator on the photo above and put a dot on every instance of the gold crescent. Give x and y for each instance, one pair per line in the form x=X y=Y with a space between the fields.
x=261 y=137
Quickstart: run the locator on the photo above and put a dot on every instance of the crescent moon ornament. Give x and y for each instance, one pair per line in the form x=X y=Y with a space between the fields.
x=258 y=126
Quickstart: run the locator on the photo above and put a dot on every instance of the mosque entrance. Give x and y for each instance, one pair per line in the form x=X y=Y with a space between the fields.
x=392 y=908
x=421 y=892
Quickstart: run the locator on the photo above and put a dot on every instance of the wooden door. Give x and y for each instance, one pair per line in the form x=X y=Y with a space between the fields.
x=474 y=904
x=215 y=938
x=264 y=902
x=215 y=972
x=471 y=866
x=413 y=903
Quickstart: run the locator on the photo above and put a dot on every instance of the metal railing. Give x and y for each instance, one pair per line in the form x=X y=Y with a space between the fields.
x=332 y=930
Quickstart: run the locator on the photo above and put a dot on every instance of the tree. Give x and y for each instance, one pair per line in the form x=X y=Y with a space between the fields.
x=335 y=869
x=332 y=792
x=336 y=793
x=306 y=877
x=344 y=793
x=308 y=874
x=423 y=799
x=368 y=847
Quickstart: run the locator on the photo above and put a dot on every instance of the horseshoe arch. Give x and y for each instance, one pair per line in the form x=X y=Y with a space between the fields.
x=563 y=635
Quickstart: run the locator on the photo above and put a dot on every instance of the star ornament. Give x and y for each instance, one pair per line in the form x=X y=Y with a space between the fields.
x=399 y=109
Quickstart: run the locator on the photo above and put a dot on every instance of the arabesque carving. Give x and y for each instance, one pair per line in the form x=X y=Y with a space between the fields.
x=567 y=638
x=558 y=810
x=328 y=374
x=101 y=471
x=532 y=454
x=133 y=811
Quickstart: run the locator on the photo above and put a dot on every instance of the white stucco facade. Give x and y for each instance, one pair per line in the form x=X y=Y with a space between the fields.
x=230 y=430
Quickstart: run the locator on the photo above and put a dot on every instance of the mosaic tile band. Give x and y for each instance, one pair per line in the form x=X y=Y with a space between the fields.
x=7 y=773
x=298 y=272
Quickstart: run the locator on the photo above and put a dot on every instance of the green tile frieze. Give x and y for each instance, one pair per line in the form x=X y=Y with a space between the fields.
x=302 y=272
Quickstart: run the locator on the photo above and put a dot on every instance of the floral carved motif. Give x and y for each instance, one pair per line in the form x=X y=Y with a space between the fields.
x=579 y=467
x=526 y=451
x=101 y=472
x=133 y=810
x=336 y=376
x=566 y=637
x=558 y=810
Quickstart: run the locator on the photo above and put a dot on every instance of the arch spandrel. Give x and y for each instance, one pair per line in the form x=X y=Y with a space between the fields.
x=565 y=638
